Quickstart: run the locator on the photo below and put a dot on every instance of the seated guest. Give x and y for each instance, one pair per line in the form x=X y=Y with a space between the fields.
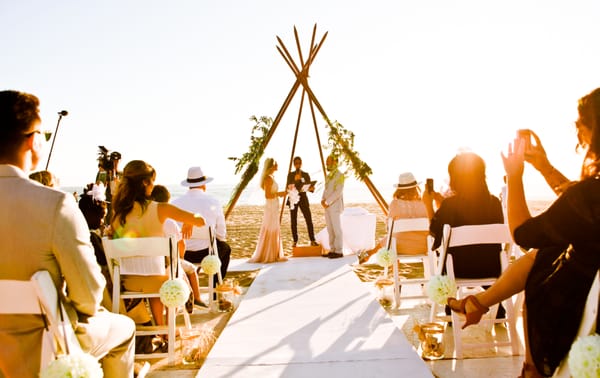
x=47 y=232
x=198 y=201
x=406 y=204
x=135 y=215
x=160 y=193
x=470 y=203
x=92 y=204
x=559 y=270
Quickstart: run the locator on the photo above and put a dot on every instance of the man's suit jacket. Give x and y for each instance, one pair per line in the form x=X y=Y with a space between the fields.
x=334 y=191
x=298 y=184
x=43 y=229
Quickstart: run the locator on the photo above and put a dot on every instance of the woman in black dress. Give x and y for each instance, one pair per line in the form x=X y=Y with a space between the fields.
x=558 y=274
x=469 y=204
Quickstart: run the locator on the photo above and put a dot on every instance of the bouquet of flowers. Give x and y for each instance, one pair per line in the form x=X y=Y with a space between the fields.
x=385 y=257
x=439 y=288
x=174 y=292
x=211 y=264
x=294 y=197
x=584 y=357
x=81 y=365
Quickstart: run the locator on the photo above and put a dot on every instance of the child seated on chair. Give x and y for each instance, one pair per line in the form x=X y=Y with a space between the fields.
x=160 y=193
x=407 y=203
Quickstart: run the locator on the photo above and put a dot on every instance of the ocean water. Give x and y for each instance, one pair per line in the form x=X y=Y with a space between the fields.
x=254 y=195
x=354 y=193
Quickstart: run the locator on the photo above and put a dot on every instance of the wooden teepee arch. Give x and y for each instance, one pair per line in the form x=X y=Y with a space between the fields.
x=302 y=80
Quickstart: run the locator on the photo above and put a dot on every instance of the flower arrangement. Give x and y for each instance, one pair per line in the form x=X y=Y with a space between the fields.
x=342 y=146
x=81 y=365
x=294 y=197
x=385 y=257
x=174 y=292
x=439 y=288
x=584 y=357
x=249 y=161
x=211 y=264
x=98 y=192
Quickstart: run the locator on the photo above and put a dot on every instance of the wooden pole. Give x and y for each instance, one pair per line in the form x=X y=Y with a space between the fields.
x=285 y=105
x=293 y=151
x=378 y=197
x=281 y=112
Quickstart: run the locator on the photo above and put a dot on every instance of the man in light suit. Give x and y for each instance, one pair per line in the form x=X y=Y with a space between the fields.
x=333 y=202
x=42 y=229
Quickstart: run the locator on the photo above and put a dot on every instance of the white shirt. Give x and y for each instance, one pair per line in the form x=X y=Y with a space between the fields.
x=197 y=201
x=171 y=229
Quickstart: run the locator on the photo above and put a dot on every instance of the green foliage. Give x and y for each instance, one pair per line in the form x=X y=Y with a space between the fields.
x=342 y=147
x=250 y=160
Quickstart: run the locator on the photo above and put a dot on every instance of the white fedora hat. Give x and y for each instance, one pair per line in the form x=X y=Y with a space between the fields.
x=196 y=177
x=406 y=180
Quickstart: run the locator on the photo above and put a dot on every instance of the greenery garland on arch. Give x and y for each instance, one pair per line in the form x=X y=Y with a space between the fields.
x=341 y=141
x=251 y=159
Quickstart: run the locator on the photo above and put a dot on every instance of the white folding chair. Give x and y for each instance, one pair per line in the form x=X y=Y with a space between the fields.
x=587 y=325
x=117 y=251
x=39 y=296
x=425 y=256
x=472 y=235
x=208 y=233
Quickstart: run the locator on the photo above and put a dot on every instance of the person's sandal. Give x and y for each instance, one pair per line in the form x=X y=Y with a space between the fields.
x=529 y=371
x=460 y=305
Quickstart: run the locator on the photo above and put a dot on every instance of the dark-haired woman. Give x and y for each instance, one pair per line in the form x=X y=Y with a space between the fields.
x=558 y=274
x=135 y=215
x=469 y=204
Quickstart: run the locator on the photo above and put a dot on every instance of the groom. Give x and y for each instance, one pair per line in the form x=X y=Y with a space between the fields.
x=333 y=202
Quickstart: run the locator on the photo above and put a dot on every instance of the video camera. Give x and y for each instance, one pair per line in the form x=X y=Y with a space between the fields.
x=108 y=161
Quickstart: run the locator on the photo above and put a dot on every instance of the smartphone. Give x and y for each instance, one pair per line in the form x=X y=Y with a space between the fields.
x=429 y=185
x=525 y=137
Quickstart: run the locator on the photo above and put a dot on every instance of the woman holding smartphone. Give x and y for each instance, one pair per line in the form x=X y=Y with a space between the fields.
x=558 y=273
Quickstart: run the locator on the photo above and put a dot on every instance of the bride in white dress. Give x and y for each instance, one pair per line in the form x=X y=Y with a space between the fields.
x=269 y=247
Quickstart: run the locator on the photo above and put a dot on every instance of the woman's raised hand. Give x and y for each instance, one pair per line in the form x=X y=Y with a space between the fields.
x=534 y=152
x=514 y=160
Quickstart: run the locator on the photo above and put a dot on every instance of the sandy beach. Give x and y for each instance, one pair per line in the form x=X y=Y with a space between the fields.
x=243 y=226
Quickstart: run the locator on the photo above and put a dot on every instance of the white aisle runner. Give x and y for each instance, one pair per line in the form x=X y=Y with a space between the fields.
x=311 y=317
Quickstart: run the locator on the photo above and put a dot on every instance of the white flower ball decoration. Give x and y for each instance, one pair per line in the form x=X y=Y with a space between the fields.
x=174 y=292
x=385 y=257
x=439 y=288
x=584 y=357
x=211 y=264
x=80 y=365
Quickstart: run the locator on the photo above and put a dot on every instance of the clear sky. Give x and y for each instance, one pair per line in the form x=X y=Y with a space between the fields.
x=175 y=82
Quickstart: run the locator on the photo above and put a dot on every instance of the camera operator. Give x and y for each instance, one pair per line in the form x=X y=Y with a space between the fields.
x=108 y=173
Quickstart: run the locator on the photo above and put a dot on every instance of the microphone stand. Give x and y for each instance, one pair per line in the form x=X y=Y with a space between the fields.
x=60 y=115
